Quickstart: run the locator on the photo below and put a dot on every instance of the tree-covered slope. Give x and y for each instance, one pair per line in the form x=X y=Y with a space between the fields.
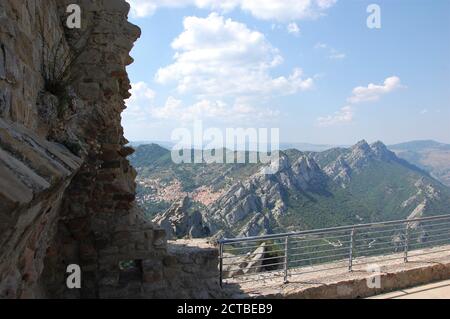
x=339 y=186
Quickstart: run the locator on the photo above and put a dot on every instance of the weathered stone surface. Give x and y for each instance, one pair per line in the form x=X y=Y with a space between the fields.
x=334 y=281
x=178 y=222
x=67 y=190
x=258 y=202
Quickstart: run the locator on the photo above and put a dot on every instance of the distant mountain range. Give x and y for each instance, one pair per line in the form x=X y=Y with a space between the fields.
x=362 y=183
x=283 y=146
x=432 y=156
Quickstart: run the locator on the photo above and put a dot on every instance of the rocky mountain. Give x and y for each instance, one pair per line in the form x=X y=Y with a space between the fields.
x=179 y=222
x=252 y=205
x=339 y=186
x=431 y=156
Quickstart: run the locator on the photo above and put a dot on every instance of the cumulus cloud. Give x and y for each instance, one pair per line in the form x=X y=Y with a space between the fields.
x=142 y=8
x=373 y=92
x=344 y=115
x=141 y=107
x=361 y=94
x=293 y=28
x=279 y=10
x=210 y=109
x=138 y=105
x=220 y=57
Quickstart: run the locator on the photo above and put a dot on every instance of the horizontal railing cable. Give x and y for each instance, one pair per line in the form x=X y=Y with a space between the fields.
x=267 y=257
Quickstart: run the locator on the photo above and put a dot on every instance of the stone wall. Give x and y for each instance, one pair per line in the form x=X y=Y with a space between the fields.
x=187 y=270
x=34 y=174
x=67 y=189
x=34 y=170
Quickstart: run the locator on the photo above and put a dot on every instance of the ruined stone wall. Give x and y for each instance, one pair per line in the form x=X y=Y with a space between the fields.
x=21 y=56
x=66 y=188
x=34 y=171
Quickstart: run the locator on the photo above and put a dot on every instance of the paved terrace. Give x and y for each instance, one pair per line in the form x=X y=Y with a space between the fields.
x=317 y=282
x=438 y=290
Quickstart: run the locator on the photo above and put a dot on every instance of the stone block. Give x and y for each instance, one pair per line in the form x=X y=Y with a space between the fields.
x=152 y=277
x=170 y=261
x=110 y=278
x=89 y=91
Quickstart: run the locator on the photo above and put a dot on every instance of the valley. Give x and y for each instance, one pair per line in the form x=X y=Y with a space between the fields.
x=360 y=184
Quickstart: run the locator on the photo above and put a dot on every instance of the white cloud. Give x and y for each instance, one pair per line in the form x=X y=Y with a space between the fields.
x=142 y=8
x=141 y=108
x=293 y=28
x=343 y=116
x=209 y=109
x=320 y=45
x=138 y=105
x=172 y=108
x=336 y=55
x=218 y=57
x=333 y=54
x=361 y=94
x=326 y=4
x=279 y=10
x=141 y=91
x=145 y=8
x=373 y=92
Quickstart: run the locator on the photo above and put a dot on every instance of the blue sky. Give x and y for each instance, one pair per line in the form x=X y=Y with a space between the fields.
x=309 y=67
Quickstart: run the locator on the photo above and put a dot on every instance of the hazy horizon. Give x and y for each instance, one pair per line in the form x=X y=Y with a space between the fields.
x=313 y=69
x=306 y=143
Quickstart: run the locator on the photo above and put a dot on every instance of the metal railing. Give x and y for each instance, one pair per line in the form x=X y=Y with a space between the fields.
x=283 y=255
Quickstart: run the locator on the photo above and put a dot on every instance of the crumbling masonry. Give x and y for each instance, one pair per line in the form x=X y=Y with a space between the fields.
x=66 y=187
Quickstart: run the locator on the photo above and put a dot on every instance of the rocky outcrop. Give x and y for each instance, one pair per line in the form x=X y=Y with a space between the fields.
x=179 y=222
x=356 y=159
x=35 y=170
x=34 y=175
x=419 y=204
x=259 y=261
x=258 y=224
x=263 y=204
x=67 y=190
x=249 y=208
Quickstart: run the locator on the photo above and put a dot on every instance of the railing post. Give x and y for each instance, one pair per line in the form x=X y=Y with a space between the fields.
x=221 y=263
x=286 y=259
x=406 y=244
x=350 y=259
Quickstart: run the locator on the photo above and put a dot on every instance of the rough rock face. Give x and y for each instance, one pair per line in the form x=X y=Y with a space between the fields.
x=179 y=223
x=260 y=260
x=426 y=194
x=34 y=174
x=258 y=224
x=251 y=206
x=66 y=188
x=356 y=159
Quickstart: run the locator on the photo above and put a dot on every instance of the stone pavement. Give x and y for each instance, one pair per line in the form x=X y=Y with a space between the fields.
x=438 y=290
x=333 y=280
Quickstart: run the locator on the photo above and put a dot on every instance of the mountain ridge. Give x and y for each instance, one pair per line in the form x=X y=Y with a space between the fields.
x=366 y=182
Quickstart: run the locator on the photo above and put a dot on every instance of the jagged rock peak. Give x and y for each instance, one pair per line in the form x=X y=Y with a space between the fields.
x=307 y=167
x=359 y=154
x=361 y=146
x=178 y=222
x=307 y=161
x=284 y=162
x=381 y=151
